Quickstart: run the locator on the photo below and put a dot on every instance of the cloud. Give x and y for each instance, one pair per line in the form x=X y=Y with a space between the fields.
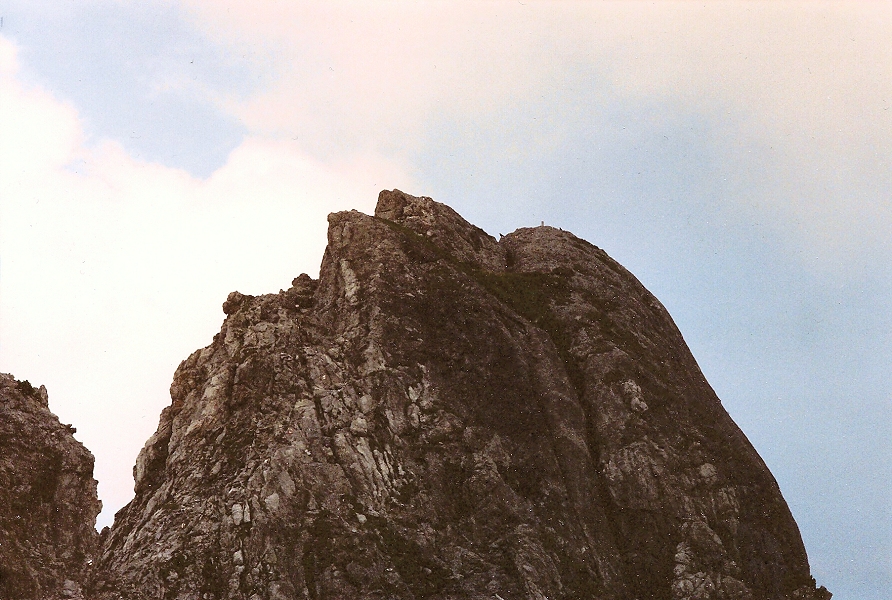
x=44 y=132
x=114 y=269
x=808 y=84
x=139 y=73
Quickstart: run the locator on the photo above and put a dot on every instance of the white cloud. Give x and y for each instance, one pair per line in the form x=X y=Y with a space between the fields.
x=38 y=131
x=811 y=82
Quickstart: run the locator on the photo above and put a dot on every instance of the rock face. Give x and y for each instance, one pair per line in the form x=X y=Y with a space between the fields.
x=443 y=415
x=48 y=503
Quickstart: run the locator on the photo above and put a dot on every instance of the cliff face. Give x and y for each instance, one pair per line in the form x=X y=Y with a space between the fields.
x=48 y=503
x=442 y=415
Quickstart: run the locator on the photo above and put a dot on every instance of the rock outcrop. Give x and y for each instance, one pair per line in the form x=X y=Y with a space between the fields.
x=48 y=503
x=443 y=415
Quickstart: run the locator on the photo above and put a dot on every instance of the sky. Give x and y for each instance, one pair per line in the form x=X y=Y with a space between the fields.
x=735 y=156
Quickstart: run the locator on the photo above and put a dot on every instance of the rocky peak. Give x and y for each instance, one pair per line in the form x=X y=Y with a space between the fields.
x=48 y=498
x=442 y=415
x=443 y=227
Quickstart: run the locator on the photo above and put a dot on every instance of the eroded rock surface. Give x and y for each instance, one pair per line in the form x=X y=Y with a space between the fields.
x=48 y=503
x=444 y=415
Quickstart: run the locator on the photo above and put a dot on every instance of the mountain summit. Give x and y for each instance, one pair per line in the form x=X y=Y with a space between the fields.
x=444 y=415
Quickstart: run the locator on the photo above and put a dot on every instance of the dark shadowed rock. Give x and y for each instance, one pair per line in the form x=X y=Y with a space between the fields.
x=442 y=415
x=48 y=503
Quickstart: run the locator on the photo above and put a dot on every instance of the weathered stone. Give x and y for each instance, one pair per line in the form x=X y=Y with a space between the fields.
x=48 y=503
x=443 y=415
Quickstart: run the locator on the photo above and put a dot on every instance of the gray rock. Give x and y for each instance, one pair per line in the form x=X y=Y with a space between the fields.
x=443 y=415
x=48 y=502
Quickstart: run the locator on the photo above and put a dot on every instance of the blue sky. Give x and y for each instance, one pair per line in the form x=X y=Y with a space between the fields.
x=737 y=157
x=137 y=73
